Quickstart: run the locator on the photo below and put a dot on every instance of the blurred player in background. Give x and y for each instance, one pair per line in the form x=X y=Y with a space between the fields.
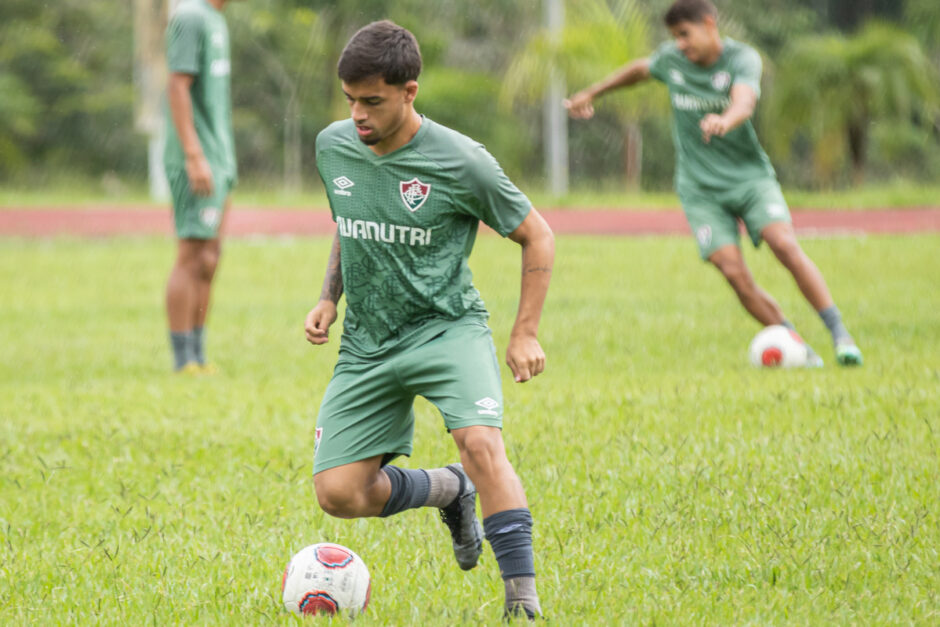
x=407 y=196
x=200 y=167
x=723 y=175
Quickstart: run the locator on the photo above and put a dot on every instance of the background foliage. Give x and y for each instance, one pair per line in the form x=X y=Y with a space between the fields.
x=68 y=90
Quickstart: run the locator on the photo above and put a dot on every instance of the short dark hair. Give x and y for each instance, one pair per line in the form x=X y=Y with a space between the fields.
x=380 y=49
x=694 y=11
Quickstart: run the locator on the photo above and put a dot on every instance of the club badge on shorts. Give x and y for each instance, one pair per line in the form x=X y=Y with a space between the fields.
x=414 y=193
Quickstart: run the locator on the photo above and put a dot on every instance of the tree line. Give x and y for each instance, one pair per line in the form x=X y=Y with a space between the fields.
x=850 y=86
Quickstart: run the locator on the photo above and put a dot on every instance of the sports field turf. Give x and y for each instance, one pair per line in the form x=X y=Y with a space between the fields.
x=671 y=483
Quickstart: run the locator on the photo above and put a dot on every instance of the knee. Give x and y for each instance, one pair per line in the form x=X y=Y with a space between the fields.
x=337 y=500
x=482 y=451
x=209 y=260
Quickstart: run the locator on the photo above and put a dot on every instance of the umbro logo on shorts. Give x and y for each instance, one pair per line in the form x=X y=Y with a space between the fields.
x=210 y=216
x=488 y=405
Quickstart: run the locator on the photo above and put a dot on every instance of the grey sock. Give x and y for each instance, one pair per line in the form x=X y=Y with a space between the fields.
x=510 y=535
x=444 y=487
x=788 y=324
x=833 y=321
x=199 y=335
x=409 y=489
x=182 y=343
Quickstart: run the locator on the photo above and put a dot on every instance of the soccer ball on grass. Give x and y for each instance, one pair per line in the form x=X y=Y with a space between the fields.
x=777 y=346
x=326 y=578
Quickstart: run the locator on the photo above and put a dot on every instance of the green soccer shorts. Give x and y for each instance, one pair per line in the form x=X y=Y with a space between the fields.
x=367 y=409
x=198 y=217
x=713 y=215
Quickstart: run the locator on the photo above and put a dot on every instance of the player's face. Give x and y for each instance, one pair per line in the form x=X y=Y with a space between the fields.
x=698 y=41
x=379 y=110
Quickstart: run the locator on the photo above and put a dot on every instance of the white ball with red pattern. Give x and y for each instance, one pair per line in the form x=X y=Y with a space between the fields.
x=777 y=346
x=328 y=579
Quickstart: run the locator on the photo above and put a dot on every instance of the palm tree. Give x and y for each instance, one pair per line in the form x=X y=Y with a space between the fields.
x=598 y=38
x=831 y=88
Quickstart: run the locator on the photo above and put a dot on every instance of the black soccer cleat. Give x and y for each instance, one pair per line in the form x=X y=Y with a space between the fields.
x=461 y=518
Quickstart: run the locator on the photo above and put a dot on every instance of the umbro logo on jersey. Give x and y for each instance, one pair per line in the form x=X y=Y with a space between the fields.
x=488 y=405
x=342 y=185
x=414 y=193
x=676 y=77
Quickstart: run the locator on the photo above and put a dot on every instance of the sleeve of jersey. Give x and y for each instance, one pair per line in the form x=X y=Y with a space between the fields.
x=491 y=196
x=320 y=157
x=183 y=38
x=748 y=69
x=659 y=62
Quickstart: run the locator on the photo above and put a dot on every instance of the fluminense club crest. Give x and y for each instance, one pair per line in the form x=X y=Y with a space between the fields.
x=414 y=193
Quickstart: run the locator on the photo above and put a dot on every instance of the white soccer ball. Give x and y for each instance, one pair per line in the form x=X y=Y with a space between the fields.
x=777 y=346
x=326 y=579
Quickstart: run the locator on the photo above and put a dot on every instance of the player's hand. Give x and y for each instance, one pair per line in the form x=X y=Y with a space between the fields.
x=318 y=321
x=580 y=106
x=713 y=125
x=200 y=175
x=525 y=357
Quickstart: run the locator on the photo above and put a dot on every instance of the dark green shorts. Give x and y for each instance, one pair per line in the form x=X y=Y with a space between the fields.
x=198 y=217
x=714 y=215
x=367 y=409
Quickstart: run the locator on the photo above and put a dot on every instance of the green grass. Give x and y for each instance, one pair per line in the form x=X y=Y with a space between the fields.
x=84 y=194
x=671 y=482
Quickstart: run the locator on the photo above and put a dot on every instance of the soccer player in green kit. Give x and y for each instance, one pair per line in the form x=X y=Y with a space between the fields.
x=408 y=195
x=200 y=166
x=722 y=173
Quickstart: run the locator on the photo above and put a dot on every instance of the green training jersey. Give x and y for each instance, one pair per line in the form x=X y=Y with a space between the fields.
x=406 y=223
x=197 y=43
x=695 y=91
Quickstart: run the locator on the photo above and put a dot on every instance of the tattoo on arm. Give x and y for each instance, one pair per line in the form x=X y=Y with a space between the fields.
x=333 y=282
x=546 y=269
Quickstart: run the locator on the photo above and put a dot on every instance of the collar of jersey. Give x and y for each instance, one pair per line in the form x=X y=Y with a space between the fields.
x=413 y=143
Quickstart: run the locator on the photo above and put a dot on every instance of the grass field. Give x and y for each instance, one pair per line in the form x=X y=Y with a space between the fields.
x=671 y=483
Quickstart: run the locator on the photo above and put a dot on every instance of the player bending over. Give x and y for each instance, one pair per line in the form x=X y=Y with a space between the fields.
x=722 y=173
x=407 y=196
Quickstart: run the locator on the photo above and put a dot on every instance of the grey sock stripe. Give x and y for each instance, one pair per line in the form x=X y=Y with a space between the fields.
x=409 y=489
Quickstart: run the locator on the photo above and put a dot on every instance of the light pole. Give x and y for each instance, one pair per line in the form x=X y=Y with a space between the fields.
x=555 y=118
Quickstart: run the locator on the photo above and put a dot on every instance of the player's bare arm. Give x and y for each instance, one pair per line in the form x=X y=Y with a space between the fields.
x=317 y=324
x=743 y=103
x=581 y=104
x=524 y=355
x=181 y=109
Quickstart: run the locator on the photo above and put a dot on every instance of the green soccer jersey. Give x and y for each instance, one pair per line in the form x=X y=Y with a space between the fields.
x=407 y=222
x=695 y=91
x=197 y=43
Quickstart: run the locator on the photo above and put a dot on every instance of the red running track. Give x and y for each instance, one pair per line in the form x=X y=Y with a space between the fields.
x=247 y=221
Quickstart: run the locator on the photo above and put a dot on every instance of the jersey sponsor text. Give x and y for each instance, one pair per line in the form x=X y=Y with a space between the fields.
x=381 y=232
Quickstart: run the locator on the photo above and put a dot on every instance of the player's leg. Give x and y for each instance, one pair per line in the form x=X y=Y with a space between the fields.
x=365 y=420
x=761 y=305
x=468 y=392
x=507 y=521
x=209 y=257
x=181 y=299
x=197 y=221
x=717 y=235
x=767 y=218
